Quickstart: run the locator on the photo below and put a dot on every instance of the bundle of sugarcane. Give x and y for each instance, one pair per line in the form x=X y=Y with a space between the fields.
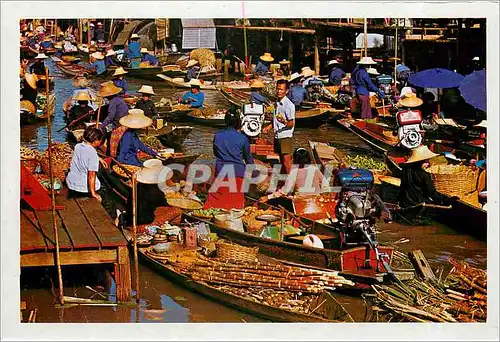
x=266 y=275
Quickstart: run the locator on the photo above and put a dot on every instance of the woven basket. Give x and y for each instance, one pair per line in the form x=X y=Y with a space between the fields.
x=59 y=168
x=230 y=251
x=454 y=180
x=390 y=137
x=471 y=198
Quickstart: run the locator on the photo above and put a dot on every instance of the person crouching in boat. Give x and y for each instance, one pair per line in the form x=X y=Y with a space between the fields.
x=192 y=70
x=255 y=96
x=38 y=67
x=149 y=58
x=97 y=63
x=82 y=84
x=145 y=103
x=80 y=110
x=262 y=67
x=129 y=143
x=363 y=84
x=231 y=150
x=297 y=94
x=416 y=183
x=120 y=81
x=195 y=97
x=110 y=59
x=82 y=178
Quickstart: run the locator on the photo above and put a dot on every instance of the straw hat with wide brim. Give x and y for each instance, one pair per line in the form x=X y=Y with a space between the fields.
x=120 y=71
x=266 y=57
x=406 y=91
x=191 y=63
x=366 y=61
x=144 y=50
x=135 y=36
x=110 y=52
x=136 y=119
x=421 y=153
x=372 y=71
x=82 y=82
x=58 y=46
x=307 y=72
x=47 y=39
x=31 y=79
x=145 y=89
x=97 y=55
x=295 y=76
x=195 y=82
x=109 y=89
x=411 y=101
x=333 y=61
x=82 y=96
x=257 y=84
x=483 y=124
x=153 y=172
x=41 y=56
x=284 y=62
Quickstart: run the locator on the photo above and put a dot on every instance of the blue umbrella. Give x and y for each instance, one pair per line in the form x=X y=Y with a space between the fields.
x=473 y=89
x=436 y=78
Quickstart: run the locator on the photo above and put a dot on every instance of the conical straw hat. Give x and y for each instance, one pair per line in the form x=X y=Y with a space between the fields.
x=135 y=36
x=372 y=71
x=195 y=82
x=145 y=89
x=366 y=61
x=110 y=52
x=284 y=61
x=31 y=79
x=191 y=63
x=81 y=82
x=120 y=71
x=97 y=55
x=144 y=50
x=108 y=89
x=295 y=76
x=421 y=153
x=257 y=84
x=41 y=56
x=306 y=72
x=82 y=96
x=266 y=57
x=153 y=172
x=333 y=61
x=410 y=100
x=136 y=119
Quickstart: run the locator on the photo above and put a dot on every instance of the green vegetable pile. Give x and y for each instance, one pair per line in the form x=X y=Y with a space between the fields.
x=41 y=102
x=208 y=212
x=365 y=162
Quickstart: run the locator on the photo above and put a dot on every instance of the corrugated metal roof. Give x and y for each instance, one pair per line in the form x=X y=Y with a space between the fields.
x=197 y=23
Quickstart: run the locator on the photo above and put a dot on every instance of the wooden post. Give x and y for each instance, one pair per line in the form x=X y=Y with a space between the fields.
x=316 y=55
x=365 y=37
x=98 y=113
x=52 y=192
x=396 y=50
x=122 y=276
x=55 y=29
x=88 y=33
x=111 y=27
x=80 y=29
x=134 y=224
x=290 y=50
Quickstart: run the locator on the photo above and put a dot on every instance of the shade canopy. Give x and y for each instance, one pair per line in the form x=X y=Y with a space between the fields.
x=473 y=89
x=436 y=78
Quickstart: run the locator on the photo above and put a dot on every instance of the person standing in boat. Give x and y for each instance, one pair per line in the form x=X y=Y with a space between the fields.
x=133 y=51
x=194 y=97
x=149 y=58
x=192 y=70
x=363 y=85
x=336 y=74
x=145 y=103
x=38 y=67
x=98 y=64
x=119 y=79
x=117 y=107
x=262 y=67
x=255 y=96
x=99 y=34
x=231 y=149
x=297 y=94
x=284 y=68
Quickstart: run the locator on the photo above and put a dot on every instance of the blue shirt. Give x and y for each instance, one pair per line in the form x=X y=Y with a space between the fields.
x=196 y=99
x=232 y=148
x=116 y=110
x=109 y=61
x=150 y=58
x=362 y=82
x=121 y=83
x=100 y=66
x=258 y=98
x=46 y=44
x=84 y=159
x=336 y=76
x=129 y=146
x=134 y=49
x=191 y=73
x=58 y=53
x=261 y=69
x=297 y=94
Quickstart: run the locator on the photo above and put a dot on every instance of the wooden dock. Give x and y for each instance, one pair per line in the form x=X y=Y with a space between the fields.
x=86 y=236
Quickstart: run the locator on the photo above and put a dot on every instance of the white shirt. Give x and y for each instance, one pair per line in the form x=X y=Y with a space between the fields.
x=286 y=108
x=84 y=159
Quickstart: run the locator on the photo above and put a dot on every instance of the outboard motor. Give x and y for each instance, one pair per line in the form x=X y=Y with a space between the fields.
x=357 y=211
x=252 y=119
x=409 y=128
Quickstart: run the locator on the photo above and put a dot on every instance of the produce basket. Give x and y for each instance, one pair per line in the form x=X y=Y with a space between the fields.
x=184 y=203
x=228 y=251
x=454 y=180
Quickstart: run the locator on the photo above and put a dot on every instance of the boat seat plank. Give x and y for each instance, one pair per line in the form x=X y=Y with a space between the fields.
x=77 y=226
x=47 y=226
x=106 y=231
x=31 y=238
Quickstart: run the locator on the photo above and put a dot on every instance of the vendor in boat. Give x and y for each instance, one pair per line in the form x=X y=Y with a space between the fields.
x=255 y=96
x=284 y=68
x=82 y=178
x=117 y=108
x=125 y=142
x=313 y=85
x=145 y=103
x=119 y=79
x=29 y=92
x=133 y=51
x=110 y=59
x=80 y=110
x=149 y=58
x=195 y=97
x=97 y=63
x=192 y=70
x=46 y=43
x=82 y=84
x=59 y=52
x=99 y=34
x=409 y=101
x=38 y=67
x=336 y=74
x=363 y=85
x=262 y=67
x=416 y=183
x=297 y=94
x=231 y=150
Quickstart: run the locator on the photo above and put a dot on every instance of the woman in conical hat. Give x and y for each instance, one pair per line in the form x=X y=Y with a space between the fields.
x=83 y=84
x=262 y=67
x=117 y=107
x=416 y=183
x=363 y=85
x=119 y=79
x=80 y=110
x=255 y=96
x=192 y=70
x=145 y=103
x=29 y=92
x=38 y=67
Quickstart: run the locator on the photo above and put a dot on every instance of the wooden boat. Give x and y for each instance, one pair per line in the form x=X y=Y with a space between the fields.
x=73 y=69
x=146 y=73
x=207 y=85
x=175 y=71
x=211 y=119
x=174 y=113
x=45 y=51
x=41 y=114
x=170 y=135
x=370 y=133
x=323 y=154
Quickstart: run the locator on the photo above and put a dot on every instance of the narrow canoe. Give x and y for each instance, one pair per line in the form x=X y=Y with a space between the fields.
x=148 y=73
x=73 y=70
x=216 y=120
x=207 y=85
x=170 y=136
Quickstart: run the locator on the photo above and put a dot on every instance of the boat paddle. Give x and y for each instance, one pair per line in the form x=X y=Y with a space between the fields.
x=98 y=113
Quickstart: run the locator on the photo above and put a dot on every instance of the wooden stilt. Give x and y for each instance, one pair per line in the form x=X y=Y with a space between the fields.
x=111 y=28
x=365 y=37
x=396 y=50
x=316 y=55
x=134 y=224
x=122 y=276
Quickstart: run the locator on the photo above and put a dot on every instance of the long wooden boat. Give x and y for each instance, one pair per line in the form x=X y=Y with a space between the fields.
x=147 y=73
x=73 y=69
x=374 y=139
x=216 y=120
x=175 y=71
x=207 y=85
x=170 y=135
x=463 y=216
x=40 y=115
x=173 y=113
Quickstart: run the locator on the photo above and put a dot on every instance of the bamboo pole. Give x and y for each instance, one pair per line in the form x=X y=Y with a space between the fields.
x=134 y=225
x=52 y=193
x=98 y=113
x=111 y=27
x=365 y=37
x=80 y=29
x=88 y=33
x=316 y=55
x=396 y=50
x=245 y=37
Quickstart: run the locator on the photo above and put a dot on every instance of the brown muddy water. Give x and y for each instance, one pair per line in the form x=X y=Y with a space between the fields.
x=163 y=301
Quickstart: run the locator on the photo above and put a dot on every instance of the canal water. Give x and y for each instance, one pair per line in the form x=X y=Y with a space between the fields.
x=163 y=301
